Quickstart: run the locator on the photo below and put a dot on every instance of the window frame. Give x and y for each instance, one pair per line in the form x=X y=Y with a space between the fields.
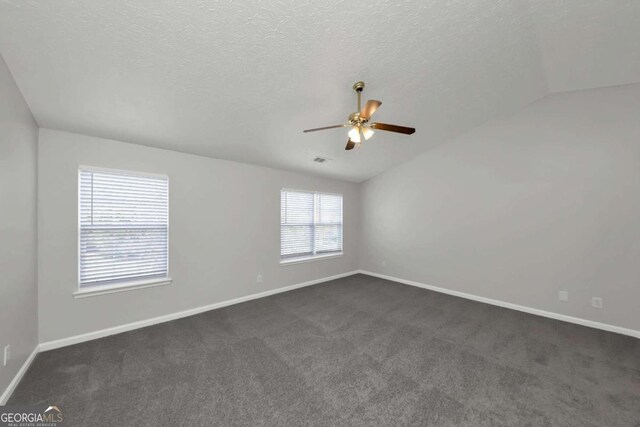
x=316 y=256
x=132 y=283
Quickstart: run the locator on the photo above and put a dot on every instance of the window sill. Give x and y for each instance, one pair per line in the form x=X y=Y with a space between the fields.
x=91 y=291
x=298 y=260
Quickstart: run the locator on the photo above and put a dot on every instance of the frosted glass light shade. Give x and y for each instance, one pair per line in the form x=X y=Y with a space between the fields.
x=354 y=134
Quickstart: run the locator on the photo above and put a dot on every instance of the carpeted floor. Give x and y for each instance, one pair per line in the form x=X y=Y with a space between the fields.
x=355 y=351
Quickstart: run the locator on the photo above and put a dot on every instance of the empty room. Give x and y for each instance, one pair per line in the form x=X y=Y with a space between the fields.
x=297 y=213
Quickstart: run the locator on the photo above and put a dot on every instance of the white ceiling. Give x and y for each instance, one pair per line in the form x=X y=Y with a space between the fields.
x=588 y=43
x=241 y=80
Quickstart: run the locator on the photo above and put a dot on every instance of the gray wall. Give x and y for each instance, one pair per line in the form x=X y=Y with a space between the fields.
x=18 y=300
x=224 y=230
x=545 y=200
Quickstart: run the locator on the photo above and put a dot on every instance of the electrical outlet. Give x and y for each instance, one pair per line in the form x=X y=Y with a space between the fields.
x=596 y=302
x=259 y=278
x=563 y=295
x=7 y=354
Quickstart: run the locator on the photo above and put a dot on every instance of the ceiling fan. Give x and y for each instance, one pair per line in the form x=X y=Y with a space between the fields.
x=361 y=130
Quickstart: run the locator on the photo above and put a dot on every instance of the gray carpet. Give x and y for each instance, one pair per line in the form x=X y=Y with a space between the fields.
x=355 y=351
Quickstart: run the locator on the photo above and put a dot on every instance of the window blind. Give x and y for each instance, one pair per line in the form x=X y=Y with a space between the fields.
x=124 y=224
x=310 y=223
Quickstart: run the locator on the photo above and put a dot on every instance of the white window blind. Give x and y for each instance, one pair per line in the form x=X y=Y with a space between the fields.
x=124 y=224
x=310 y=223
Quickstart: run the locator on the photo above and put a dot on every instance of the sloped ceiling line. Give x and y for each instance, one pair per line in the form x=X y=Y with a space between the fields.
x=241 y=80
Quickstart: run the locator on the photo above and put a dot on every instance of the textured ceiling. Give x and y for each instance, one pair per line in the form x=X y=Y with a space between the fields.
x=588 y=43
x=241 y=80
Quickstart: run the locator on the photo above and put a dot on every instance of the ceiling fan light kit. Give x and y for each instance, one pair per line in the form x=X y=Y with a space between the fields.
x=361 y=130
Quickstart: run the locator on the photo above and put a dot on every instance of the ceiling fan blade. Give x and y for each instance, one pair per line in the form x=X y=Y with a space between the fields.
x=350 y=145
x=369 y=108
x=393 y=128
x=326 y=127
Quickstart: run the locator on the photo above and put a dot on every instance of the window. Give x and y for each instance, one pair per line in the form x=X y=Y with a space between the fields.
x=310 y=224
x=124 y=224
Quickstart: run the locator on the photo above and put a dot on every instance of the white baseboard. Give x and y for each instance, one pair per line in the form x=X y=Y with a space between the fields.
x=50 y=345
x=530 y=310
x=16 y=380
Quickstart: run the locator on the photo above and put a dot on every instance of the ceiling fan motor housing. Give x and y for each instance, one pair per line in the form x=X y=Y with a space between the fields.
x=356 y=120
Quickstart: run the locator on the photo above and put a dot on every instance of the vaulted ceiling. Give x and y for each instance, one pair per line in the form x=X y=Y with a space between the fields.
x=241 y=80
